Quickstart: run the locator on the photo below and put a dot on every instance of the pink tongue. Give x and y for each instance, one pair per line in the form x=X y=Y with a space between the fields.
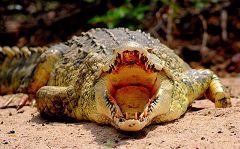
x=132 y=99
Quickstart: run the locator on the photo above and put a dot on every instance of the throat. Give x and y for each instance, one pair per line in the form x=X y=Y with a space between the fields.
x=132 y=99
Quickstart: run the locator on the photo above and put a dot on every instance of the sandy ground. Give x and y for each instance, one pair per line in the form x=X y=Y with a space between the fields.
x=202 y=126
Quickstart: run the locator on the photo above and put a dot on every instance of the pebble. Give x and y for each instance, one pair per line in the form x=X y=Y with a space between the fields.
x=11 y=132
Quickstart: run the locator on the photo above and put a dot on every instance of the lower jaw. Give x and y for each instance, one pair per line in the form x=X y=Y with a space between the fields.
x=130 y=125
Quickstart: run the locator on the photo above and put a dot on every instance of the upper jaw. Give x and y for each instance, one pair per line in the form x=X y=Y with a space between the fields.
x=151 y=60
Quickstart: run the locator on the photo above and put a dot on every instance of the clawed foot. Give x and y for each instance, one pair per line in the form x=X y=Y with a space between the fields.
x=222 y=100
x=16 y=101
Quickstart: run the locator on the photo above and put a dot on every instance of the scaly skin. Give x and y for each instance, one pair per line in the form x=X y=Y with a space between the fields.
x=25 y=70
x=112 y=76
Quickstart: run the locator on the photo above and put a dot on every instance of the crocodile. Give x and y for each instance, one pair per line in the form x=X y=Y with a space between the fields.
x=118 y=77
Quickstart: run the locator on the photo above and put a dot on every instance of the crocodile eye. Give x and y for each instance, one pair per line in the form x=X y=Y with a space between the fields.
x=149 y=50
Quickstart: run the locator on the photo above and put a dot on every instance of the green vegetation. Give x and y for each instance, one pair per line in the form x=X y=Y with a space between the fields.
x=127 y=11
x=133 y=14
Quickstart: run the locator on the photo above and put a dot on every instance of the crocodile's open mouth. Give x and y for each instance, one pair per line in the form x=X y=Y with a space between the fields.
x=132 y=85
x=132 y=88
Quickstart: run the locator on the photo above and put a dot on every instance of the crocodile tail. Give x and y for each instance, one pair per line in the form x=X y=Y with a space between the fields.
x=27 y=69
x=16 y=52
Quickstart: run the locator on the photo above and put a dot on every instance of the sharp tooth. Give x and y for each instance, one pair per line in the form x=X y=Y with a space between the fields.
x=112 y=66
x=150 y=63
x=119 y=60
x=121 y=56
x=112 y=100
x=146 y=66
x=117 y=114
x=145 y=112
x=118 y=111
x=127 y=116
x=136 y=116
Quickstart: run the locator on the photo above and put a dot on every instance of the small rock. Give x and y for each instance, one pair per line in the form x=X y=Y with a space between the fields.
x=11 y=132
x=219 y=131
x=21 y=111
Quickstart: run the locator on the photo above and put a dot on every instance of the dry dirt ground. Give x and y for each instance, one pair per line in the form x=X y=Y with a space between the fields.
x=202 y=126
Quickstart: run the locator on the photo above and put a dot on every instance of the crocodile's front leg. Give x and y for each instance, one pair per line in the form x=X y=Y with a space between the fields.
x=192 y=85
x=205 y=82
x=58 y=102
